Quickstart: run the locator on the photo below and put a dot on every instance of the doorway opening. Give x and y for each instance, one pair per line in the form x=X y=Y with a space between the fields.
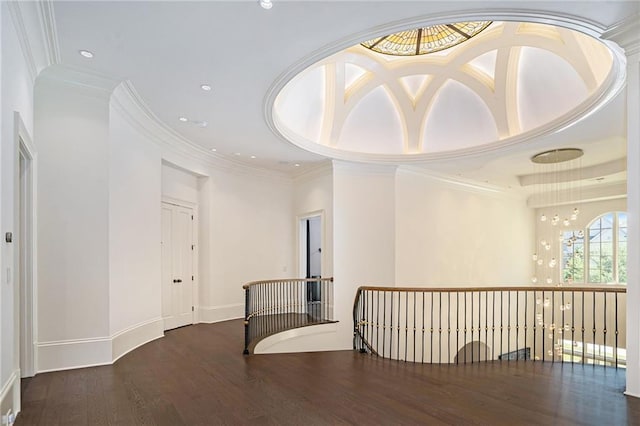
x=24 y=241
x=310 y=231
x=177 y=265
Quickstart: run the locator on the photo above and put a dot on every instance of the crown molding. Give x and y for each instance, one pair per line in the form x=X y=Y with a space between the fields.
x=35 y=27
x=592 y=193
x=49 y=31
x=322 y=169
x=87 y=82
x=626 y=34
x=577 y=174
x=364 y=169
x=126 y=100
x=23 y=38
x=463 y=184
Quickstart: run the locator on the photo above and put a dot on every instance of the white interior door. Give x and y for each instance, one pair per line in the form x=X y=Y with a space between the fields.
x=177 y=265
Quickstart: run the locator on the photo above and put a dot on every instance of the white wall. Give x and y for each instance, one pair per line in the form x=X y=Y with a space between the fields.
x=313 y=194
x=455 y=235
x=364 y=225
x=251 y=238
x=179 y=184
x=633 y=185
x=102 y=180
x=134 y=227
x=72 y=139
x=402 y=227
x=17 y=96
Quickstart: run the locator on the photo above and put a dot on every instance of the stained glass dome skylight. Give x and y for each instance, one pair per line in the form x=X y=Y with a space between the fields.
x=420 y=41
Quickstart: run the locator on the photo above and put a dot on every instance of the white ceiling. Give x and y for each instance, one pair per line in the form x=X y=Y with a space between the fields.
x=168 y=49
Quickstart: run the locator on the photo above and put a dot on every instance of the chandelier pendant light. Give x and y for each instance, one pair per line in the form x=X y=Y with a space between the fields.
x=555 y=163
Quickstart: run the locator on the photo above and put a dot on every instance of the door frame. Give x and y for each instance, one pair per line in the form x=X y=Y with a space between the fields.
x=302 y=241
x=25 y=275
x=195 y=293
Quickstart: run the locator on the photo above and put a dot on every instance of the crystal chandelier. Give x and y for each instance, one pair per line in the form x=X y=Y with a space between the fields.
x=555 y=174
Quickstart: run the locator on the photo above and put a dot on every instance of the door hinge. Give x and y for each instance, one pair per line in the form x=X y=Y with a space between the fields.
x=192 y=246
x=192 y=279
x=191 y=217
x=193 y=309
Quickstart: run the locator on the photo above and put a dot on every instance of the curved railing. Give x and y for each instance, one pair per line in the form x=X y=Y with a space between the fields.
x=274 y=306
x=465 y=325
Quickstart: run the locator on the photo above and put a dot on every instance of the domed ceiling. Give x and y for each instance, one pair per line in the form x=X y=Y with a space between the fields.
x=504 y=84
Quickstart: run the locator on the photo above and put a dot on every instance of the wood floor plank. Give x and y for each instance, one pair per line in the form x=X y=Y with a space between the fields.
x=197 y=376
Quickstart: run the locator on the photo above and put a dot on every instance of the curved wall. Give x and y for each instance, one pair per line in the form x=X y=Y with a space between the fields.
x=101 y=188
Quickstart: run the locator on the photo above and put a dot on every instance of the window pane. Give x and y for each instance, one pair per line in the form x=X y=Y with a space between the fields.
x=572 y=257
x=606 y=269
x=622 y=220
x=622 y=235
x=607 y=256
x=622 y=248
x=622 y=267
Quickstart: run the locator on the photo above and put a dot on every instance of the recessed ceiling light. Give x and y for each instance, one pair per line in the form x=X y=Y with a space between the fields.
x=86 y=54
x=205 y=87
x=183 y=119
x=296 y=165
x=213 y=150
x=266 y=4
x=253 y=156
x=202 y=124
x=237 y=153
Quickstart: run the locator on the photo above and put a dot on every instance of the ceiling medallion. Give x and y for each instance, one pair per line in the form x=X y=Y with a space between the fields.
x=420 y=41
x=557 y=156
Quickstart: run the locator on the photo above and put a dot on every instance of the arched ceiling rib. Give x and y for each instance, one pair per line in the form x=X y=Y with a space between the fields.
x=499 y=92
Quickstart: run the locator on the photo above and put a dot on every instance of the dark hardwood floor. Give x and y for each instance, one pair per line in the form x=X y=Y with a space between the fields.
x=197 y=375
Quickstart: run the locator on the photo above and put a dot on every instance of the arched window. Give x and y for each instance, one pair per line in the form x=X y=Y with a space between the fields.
x=598 y=254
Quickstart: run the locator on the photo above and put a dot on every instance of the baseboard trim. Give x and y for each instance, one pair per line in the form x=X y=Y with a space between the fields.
x=634 y=395
x=95 y=352
x=211 y=314
x=70 y=354
x=10 y=394
x=135 y=336
x=6 y=388
x=82 y=353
